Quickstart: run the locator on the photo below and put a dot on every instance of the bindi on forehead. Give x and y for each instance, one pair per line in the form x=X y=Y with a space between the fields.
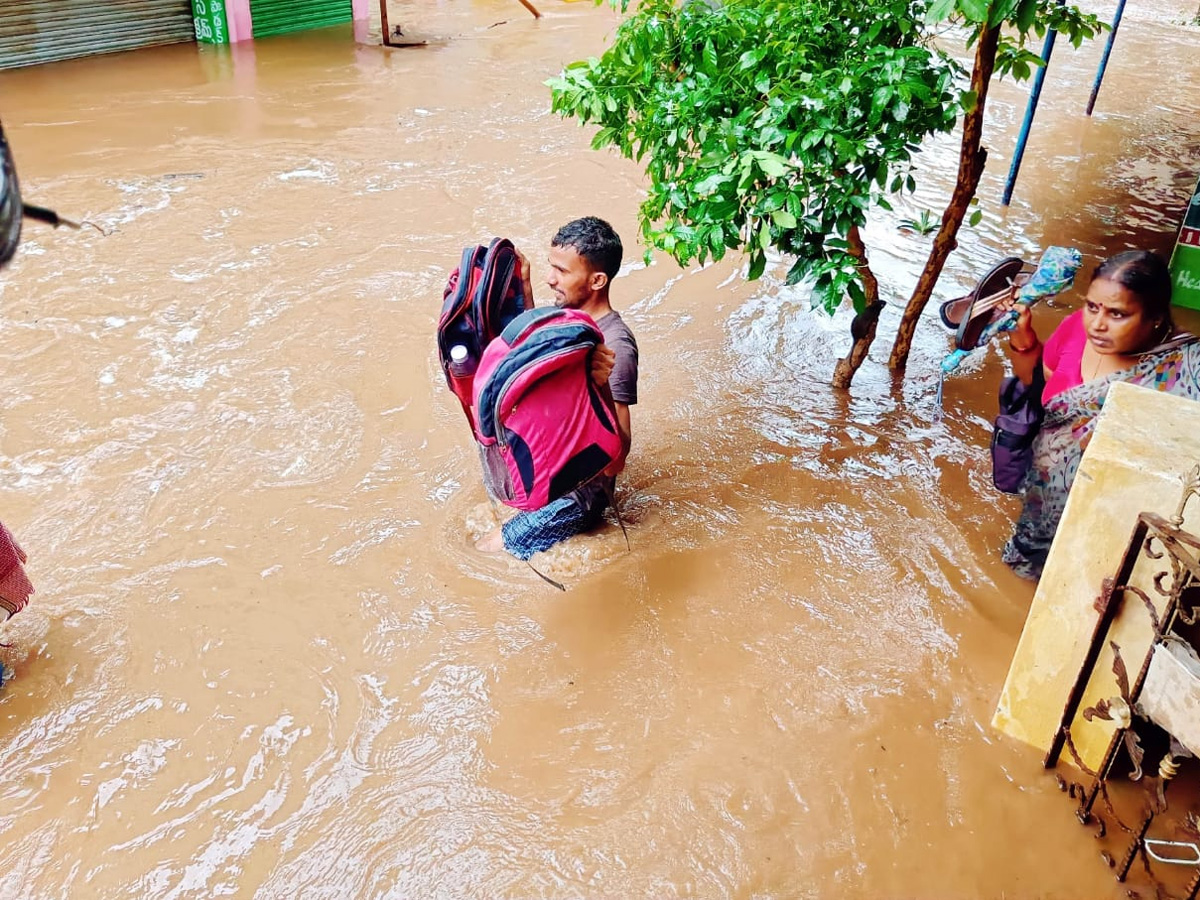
x=1113 y=297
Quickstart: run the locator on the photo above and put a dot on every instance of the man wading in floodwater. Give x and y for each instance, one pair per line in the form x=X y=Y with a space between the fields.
x=585 y=256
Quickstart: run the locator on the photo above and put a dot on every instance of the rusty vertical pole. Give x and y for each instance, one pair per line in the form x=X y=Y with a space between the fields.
x=383 y=23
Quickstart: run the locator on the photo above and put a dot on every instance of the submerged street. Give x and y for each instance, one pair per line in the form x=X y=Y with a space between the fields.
x=264 y=659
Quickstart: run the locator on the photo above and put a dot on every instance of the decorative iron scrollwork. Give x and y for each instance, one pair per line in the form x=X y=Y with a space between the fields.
x=1176 y=557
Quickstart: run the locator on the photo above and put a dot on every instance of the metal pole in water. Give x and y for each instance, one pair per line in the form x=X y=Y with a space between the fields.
x=383 y=21
x=1030 y=108
x=1112 y=36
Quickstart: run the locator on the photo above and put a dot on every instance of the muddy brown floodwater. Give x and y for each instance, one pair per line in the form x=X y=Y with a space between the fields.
x=264 y=660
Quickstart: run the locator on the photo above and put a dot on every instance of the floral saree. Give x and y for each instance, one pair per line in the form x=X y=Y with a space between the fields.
x=1070 y=419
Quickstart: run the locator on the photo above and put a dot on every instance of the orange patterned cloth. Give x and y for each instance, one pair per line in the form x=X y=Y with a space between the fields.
x=14 y=584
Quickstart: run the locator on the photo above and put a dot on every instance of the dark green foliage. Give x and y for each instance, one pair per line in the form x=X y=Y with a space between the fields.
x=765 y=123
x=778 y=124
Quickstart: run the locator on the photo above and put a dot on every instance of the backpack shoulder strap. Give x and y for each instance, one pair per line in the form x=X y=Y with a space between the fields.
x=458 y=287
x=519 y=328
x=495 y=285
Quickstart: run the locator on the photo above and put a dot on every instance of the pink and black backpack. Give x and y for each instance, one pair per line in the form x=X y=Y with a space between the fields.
x=543 y=425
x=482 y=296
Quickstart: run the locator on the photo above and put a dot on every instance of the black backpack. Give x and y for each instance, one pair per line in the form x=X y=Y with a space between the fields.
x=482 y=296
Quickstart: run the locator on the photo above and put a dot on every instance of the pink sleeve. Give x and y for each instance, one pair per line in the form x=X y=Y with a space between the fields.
x=1052 y=351
x=1061 y=354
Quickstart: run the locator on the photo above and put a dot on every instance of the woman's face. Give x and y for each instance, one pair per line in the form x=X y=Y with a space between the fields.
x=1115 y=322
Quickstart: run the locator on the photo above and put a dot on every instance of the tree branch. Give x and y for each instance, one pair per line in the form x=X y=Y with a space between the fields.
x=864 y=324
x=971 y=161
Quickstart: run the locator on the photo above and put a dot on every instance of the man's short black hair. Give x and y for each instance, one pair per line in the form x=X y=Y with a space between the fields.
x=594 y=240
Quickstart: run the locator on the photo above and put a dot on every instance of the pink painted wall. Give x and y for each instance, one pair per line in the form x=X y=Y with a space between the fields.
x=362 y=21
x=237 y=15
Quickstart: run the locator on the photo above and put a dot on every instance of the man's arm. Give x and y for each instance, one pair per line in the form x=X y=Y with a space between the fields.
x=624 y=423
x=602 y=364
x=623 y=426
x=603 y=361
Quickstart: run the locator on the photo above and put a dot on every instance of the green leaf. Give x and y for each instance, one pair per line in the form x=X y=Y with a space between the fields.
x=797 y=272
x=976 y=218
x=811 y=139
x=783 y=219
x=710 y=184
x=749 y=59
x=940 y=10
x=968 y=100
x=1026 y=13
x=603 y=138
x=772 y=164
x=858 y=296
x=975 y=11
x=758 y=265
x=1000 y=12
x=824 y=297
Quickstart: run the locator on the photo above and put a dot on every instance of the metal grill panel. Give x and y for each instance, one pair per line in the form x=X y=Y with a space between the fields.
x=40 y=31
x=282 y=16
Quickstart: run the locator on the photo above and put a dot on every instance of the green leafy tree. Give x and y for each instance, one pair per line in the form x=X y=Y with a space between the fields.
x=778 y=125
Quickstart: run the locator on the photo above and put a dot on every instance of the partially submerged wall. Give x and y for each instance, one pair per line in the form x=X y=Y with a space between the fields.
x=1143 y=445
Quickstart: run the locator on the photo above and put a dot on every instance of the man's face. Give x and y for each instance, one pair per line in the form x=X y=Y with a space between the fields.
x=571 y=278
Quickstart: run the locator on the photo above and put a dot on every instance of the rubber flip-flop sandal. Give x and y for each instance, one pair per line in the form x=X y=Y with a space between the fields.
x=953 y=312
x=982 y=309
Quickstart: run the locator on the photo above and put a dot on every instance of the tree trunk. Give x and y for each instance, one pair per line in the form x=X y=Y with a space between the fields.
x=863 y=326
x=971 y=160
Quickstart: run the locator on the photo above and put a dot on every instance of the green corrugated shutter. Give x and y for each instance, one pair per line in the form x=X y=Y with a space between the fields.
x=38 y=31
x=281 y=16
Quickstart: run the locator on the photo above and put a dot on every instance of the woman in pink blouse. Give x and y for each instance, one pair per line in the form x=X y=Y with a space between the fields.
x=1123 y=332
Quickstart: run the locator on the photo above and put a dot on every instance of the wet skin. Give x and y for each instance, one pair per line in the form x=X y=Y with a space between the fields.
x=575 y=284
x=1115 y=321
